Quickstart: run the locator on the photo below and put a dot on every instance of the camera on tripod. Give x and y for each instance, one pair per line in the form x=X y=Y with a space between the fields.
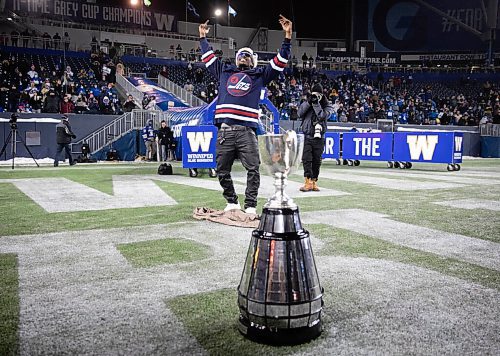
x=13 y=121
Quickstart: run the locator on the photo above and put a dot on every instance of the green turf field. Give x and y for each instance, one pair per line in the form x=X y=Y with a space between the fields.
x=409 y=259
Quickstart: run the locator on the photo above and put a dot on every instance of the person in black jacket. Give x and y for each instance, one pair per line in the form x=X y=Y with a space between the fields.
x=64 y=136
x=163 y=138
x=314 y=112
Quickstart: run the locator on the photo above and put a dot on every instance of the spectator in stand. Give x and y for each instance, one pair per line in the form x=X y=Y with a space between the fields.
x=46 y=40
x=14 y=37
x=57 y=41
x=93 y=104
x=26 y=37
x=81 y=106
x=34 y=39
x=52 y=102
x=178 y=51
x=66 y=41
x=94 y=44
x=67 y=106
x=152 y=103
x=129 y=104
x=189 y=72
x=199 y=75
x=32 y=73
x=4 y=38
x=189 y=86
x=164 y=72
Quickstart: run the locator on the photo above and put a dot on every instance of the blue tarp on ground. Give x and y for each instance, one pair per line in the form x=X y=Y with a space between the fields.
x=162 y=96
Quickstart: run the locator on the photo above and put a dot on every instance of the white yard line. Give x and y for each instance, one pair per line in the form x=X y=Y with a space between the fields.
x=471 y=204
x=468 y=249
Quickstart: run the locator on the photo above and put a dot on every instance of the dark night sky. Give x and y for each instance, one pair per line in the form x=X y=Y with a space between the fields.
x=311 y=19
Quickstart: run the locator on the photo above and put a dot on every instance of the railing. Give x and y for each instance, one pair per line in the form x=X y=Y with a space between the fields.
x=490 y=130
x=122 y=125
x=130 y=89
x=117 y=29
x=178 y=91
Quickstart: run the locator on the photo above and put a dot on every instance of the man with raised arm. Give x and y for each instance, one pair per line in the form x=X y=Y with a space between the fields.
x=237 y=111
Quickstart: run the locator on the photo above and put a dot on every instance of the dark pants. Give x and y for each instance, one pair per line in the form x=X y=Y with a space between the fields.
x=66 y=148
x=311 y=157
x=242 y=144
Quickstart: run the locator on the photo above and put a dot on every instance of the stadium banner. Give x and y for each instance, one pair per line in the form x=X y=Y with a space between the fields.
x=164 y=99
x=445 y=57
x=332 y=146
x=198 y=146
x=85 y=12
x=367 y=146
x=396 y=25
x=435 y=147
x=370 y=58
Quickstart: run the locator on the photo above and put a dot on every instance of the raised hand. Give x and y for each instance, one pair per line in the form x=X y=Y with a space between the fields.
x=203 y=29
x=286 y=24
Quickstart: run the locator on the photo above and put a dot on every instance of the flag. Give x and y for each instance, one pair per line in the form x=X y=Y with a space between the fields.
x=231 y=11
x=191 y=8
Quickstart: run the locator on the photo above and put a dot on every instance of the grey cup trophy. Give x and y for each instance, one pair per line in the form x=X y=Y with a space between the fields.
x=279 y=295
x=280 y=154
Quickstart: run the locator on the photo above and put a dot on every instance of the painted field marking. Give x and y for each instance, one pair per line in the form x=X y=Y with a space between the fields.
x=471 y=204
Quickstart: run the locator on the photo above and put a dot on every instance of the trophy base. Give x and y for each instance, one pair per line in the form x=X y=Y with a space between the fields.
x=277 y=336
x=281 y=221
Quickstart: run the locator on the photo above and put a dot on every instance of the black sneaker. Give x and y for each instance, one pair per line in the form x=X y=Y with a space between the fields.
x=72 y=163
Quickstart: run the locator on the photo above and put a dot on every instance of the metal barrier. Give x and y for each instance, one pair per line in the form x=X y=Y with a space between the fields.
x=178 y=91
x=122 y=125
x=129 y=88
x=489 y=130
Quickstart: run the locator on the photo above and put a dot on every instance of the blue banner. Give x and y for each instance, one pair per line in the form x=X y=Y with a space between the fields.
x=435 y=147
x=367 y=146
x=332 y=145
x=164 y=99
x=87 y=12
x=198 y=146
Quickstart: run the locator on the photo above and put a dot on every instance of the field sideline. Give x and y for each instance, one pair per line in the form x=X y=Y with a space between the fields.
x=107 y=259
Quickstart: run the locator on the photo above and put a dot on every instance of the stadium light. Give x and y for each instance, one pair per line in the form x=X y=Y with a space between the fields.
x=134 y=2
x=217 y=13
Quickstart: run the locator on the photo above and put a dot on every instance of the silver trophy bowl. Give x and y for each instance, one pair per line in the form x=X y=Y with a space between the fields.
x=281 y=154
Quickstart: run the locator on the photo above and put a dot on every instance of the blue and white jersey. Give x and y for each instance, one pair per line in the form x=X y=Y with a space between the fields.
x=239 y=90
x=148 y=133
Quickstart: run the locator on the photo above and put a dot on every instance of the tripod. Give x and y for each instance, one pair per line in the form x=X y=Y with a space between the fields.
x=12 y=138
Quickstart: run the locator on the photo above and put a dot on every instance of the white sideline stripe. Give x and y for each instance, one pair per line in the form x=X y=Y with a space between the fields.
x=57 y=195
x=471 y=204
x=388 y=183
x=469 y=249
x=455 y=177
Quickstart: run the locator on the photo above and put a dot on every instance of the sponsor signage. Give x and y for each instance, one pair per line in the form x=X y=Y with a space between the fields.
x=396 y=25
x=84 y=12
x=371 y=58
x=430 y=147
x=367 y=146
x=332 y=145
x=198 y=146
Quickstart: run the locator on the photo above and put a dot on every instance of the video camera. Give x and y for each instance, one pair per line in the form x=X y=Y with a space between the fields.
x=13 y=121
